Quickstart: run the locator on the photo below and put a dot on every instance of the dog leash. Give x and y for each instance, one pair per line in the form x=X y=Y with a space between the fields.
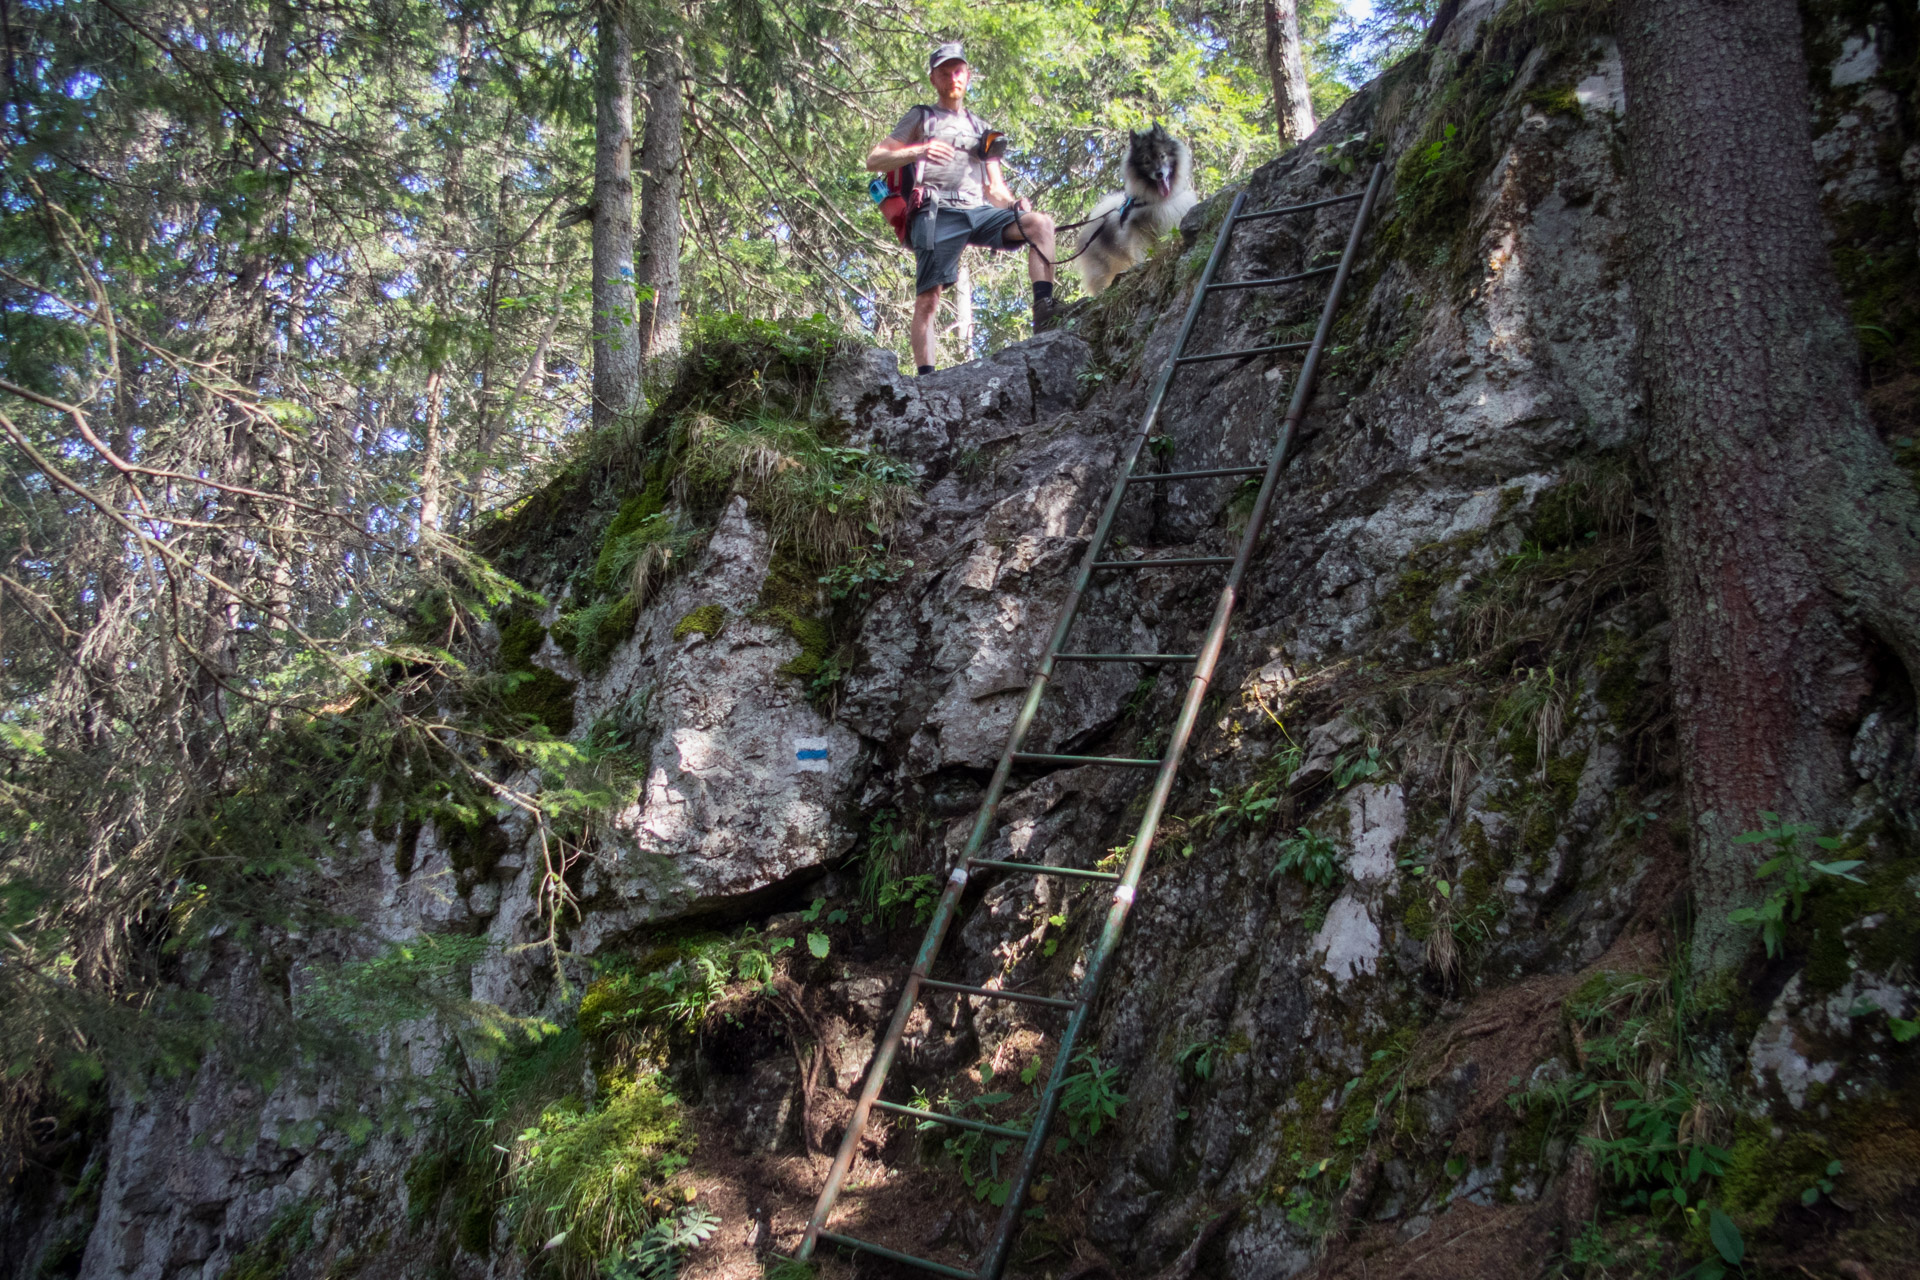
x=1073 y=226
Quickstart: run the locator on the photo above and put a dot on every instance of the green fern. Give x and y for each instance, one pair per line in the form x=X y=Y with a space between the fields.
x=660 y=1251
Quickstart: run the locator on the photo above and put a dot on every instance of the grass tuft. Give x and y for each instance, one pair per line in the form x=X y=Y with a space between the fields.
x=824 y=499
x=587 y=1179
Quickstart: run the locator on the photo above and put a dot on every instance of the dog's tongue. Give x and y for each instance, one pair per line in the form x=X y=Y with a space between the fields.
x=1165 y=187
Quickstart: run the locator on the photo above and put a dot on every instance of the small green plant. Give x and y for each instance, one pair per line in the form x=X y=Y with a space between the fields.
x=1201 y=1057
x=1655 y=1147
x=1353 y=766
x=1239 y=508
x=1529 y=718
x=1089 y=1098
x=1056 y=926
x=1654 y=1157
x=660 y=1250
x=1307 y=1202
x=1142 y=691
x=826 y=681
x=1346 y=154
x=1796 y=871
x=890 y=838
x=1243 y=809
x=1429 y=172
x=681 y=992
x=819 y=945
x=865 y=568
x=918 y=895
x=1591 y=1248
x=1822 y=1185
x=1310 y=856
x=1727 y=1242
x=978 y=1154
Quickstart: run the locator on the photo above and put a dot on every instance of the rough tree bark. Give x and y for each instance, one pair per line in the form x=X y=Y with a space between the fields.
x=616 y=348
x=1288 y=69
x=662 y=160
x=1792 y=543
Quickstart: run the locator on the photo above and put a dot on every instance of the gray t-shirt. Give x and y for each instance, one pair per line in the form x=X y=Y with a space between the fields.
x=962 y=180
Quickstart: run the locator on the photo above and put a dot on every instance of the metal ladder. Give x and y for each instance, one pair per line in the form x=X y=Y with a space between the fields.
x=1165 y=768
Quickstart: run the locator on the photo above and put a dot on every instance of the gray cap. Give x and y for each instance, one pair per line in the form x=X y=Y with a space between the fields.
x=948 y=52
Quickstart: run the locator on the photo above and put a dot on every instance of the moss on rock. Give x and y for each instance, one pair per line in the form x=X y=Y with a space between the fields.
x=590 y=635
x=788 y=598
x=533 y=692
x=1839 y=938
x=287 y=1236
x=707 y=620
x=520 y=638
x=1765 y=1173
x=544 y=696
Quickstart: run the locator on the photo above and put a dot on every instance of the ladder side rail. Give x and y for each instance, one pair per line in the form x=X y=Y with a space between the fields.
x=943 y=915
x=1198 y=684
x=1083 y=575
x=949 y=900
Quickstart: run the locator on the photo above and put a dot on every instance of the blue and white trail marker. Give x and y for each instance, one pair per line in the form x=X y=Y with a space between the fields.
x=810 y=755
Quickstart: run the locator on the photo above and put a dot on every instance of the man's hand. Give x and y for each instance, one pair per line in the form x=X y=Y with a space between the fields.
x=934 y=151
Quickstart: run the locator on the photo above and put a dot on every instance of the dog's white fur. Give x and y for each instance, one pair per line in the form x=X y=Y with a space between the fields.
x=1161 y=187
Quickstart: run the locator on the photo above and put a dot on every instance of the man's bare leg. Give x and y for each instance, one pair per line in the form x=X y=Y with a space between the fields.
x=1035 y=230
x=922 y=335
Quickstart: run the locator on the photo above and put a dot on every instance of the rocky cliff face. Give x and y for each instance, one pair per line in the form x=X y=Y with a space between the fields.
x=1430 y=873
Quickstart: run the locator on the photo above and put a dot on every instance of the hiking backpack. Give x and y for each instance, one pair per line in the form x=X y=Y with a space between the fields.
x=898 y=191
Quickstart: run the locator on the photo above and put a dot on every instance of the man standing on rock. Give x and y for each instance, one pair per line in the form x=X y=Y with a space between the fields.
x=971 y=203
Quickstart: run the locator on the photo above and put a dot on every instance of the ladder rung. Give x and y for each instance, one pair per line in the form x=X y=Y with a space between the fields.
x=1244 y=351
x=1300 y=208
x=1037 y=757
x=1258 y=284
x=940 y=1117
x=1155 y=564
x=992 y=994
x=1159 y=477
x=1150 y=658
x=1041 y=869
x=894 y=1255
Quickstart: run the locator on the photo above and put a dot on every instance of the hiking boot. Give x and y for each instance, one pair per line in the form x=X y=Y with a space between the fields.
x=1046 y=313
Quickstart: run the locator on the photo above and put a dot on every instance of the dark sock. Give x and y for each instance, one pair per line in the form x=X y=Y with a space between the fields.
x=925 y=369
x=1042 y=289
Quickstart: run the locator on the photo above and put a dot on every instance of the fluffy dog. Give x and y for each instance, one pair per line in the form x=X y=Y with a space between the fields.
x=1124 y=225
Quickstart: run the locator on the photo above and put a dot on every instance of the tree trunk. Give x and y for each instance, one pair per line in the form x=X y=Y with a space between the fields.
x=1288 y=69
x=440 y=268
x=661 y=162
x=1792 y=543
x=616 y=350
